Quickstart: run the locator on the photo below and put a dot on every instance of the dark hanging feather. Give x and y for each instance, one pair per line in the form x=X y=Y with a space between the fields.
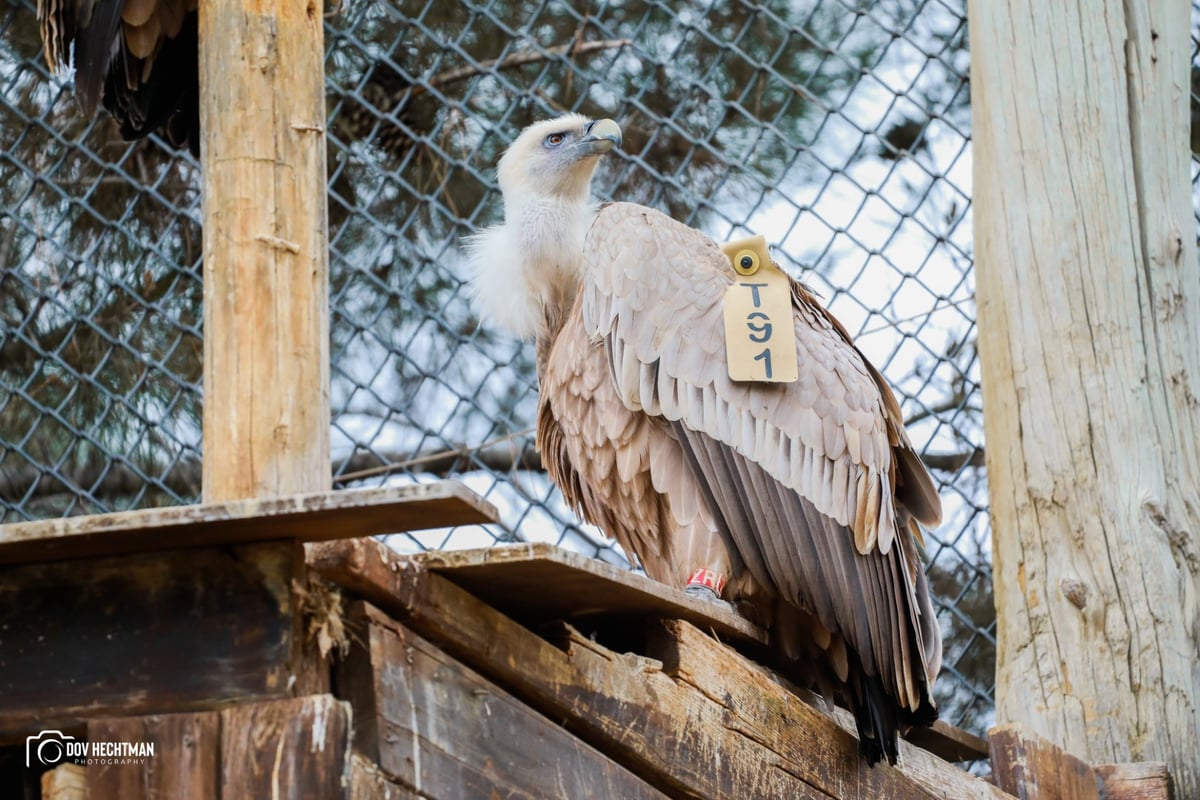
x=139 y=57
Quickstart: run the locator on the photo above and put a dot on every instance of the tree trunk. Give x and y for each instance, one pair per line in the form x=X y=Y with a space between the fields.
x=1089 y=336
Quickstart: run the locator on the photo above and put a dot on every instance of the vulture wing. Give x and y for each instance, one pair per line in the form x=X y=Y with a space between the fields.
x=815 y=483
x=139 y=56
x=622 y=471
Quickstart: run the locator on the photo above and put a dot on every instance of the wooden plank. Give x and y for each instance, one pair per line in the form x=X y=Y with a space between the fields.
x=530 y=582
x=948 y=742
x=534 y=583
x=624 y=704
x=442 y=729
x=822 y=750
x=308 y=517
x=184 y=765
x=367 y=782
x=926 y=766
x=297 y=749
x=1032 y=768
x=938 y=743
x=65 y=782
x=266 y=254
x=140 y=634
x=1148 y=780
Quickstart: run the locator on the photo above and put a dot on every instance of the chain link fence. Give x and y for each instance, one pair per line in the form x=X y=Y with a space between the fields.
x=838 y=129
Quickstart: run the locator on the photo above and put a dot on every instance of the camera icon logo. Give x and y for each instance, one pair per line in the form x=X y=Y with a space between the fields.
x=46 y=749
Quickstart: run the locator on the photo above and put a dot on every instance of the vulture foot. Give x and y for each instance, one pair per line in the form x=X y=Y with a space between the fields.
x=706 y=594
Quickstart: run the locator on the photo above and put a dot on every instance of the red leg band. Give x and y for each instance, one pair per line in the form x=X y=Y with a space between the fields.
x=709 y=578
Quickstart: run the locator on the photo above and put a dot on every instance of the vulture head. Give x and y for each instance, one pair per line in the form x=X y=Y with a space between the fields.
x=553 y=161
x=525 y=272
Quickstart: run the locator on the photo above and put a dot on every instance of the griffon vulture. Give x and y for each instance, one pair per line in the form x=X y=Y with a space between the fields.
x=798 y=502
x=139 y=56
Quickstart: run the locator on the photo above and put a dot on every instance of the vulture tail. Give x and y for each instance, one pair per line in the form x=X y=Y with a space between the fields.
x=878 y=717
x=875 y=715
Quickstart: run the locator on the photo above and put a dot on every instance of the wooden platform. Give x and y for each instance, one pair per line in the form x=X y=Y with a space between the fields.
x=535 y=583
x=310 y=517
x=340 y=669
x=482 y=606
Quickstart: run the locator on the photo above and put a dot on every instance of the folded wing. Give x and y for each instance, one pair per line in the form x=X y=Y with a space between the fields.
x=816 y=485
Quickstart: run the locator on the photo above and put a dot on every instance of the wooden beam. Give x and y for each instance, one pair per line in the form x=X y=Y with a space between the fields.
x=948 y=742
x=266 y=261
x=1089 y=341
x=1148 y=780
x=442 y=729
x=1032 y=768
x=621 y=703
x=367 y=782
x=311 y=517
x=296 y=749
x=537 y=583
x=823 y=751
x=185 y=764
x=530 y=582
x=131 y=635
x=676 y=737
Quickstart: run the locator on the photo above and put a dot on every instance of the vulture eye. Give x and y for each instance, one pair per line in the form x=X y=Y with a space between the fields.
x=555 y=139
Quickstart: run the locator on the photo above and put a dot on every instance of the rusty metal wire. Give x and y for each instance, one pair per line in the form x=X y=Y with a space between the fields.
x=839 y=129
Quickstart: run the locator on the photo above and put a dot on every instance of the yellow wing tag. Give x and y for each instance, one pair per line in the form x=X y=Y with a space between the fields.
x=760 y=334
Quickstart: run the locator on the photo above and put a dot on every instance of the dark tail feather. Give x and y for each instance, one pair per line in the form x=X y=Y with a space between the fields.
x=879 y=718
x=875 y=715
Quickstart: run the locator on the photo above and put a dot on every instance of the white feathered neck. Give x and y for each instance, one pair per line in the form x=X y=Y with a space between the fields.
x=524 y=270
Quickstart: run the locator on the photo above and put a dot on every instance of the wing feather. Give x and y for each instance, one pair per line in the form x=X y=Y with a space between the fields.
x=621 y=470
x=94 y=51
x=142 y=40
x=801 y=475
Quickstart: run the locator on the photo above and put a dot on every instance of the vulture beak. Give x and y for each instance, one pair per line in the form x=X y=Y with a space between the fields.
x=599 y=137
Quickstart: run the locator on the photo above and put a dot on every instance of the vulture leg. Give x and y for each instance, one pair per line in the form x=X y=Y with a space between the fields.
x=702 y=592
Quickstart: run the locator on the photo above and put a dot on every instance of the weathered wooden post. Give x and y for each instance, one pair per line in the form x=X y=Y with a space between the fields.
x=1089 y=335
x=266 y=308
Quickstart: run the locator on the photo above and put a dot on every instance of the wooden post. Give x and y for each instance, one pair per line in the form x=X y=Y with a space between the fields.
x=1031 y=768
x=266 y=315
x=1089 y=336
x=65 y=782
